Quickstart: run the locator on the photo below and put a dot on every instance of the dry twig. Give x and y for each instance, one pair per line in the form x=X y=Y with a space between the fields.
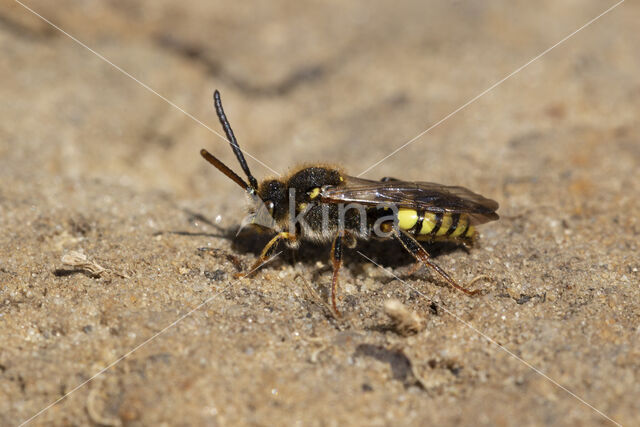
x=405 y=321
x=80 y=261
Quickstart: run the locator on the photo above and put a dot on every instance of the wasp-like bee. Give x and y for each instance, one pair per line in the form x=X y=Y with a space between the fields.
x=322 y=204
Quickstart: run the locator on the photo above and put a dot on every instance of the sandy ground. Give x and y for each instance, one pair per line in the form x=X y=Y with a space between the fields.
x=92 y=162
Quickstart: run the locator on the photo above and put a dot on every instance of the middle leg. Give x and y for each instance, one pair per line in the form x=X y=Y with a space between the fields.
x=336 y=259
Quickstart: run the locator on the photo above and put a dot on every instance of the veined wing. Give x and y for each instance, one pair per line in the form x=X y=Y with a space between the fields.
x=427 y=196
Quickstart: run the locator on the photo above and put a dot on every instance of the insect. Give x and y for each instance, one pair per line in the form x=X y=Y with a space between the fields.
x=320 y=203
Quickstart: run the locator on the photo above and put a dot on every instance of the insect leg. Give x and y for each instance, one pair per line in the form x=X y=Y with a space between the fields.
x=419 y=253
x=336 y=259
x=264 y=255
x=415 y=268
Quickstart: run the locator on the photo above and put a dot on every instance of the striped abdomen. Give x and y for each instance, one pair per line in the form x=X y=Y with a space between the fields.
x=422 y=223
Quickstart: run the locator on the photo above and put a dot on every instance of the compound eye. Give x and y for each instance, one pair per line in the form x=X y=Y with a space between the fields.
x=269 y=205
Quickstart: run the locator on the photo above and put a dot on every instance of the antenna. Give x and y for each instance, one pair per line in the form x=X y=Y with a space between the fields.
x=253 y=183
x=224 y=169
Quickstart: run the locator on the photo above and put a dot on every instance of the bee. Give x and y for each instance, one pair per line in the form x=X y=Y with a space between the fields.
x=322 y=204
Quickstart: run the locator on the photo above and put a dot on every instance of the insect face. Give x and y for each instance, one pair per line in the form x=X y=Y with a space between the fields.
x=273 y=194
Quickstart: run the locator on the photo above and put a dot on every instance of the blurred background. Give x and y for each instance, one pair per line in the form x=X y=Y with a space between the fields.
x=309 y=81
x=90 y=140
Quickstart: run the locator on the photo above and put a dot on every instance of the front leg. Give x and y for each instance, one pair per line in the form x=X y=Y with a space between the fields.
x=264 y=255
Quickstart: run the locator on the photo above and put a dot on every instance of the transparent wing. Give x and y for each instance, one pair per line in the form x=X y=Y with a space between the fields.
x=426 y=196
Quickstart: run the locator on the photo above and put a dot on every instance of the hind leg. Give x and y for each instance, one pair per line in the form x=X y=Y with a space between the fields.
x=420 y=254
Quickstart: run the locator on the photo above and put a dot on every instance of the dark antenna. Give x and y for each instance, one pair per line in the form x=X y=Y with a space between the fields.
x=253 y=183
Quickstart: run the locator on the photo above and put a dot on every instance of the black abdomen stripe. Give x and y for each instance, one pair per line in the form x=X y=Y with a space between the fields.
x=455 y=219
x=415 y=230
x=464 y=228
x=438 y=223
